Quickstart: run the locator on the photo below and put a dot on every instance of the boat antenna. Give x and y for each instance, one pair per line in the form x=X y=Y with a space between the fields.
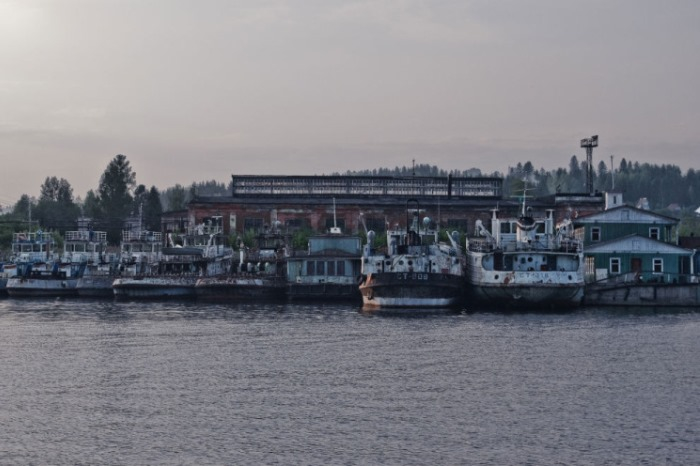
x=335 y=228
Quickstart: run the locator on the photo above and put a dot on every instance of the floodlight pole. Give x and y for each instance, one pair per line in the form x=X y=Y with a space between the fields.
x=589 y=144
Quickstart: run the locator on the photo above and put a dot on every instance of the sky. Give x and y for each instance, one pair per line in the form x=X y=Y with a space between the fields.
x=200 y=90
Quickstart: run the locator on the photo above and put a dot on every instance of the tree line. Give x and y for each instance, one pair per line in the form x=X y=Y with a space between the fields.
x=118 y=196
x=663 y=185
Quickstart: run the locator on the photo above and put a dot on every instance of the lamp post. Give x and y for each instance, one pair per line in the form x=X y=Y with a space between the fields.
x=589 y=144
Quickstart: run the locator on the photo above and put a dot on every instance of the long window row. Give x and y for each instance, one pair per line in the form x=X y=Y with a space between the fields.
x=329 y=268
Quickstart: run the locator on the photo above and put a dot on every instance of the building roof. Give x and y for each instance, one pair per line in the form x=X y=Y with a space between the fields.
x=626 y=214
x=637 y=244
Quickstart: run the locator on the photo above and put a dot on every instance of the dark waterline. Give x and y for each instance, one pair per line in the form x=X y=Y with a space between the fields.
x=103 y=382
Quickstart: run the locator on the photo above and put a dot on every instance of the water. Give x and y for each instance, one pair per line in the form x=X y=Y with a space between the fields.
x=99 y=382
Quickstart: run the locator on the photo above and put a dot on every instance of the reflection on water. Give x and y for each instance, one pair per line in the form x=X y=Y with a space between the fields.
x=102 y=382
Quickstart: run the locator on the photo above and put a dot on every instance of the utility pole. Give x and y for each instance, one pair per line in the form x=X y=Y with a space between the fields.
x=589 y=144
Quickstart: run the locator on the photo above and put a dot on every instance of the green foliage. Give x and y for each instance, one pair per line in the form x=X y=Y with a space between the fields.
x=247 y=238
x=114 y=196
x=147 y=203
x=175 y=198
x=91 y=206
x=24 y=207
x=300 y=239
x=56 y=209
x=689 y=225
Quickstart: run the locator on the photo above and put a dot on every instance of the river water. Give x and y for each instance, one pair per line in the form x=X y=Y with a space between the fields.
x=102 y=382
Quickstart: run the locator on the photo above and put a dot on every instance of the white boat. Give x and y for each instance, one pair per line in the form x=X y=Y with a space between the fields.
x=36 y=248
x=199 y=254
x=526 y=262
x=140 y=251
x=417 y=271
x=59 y=275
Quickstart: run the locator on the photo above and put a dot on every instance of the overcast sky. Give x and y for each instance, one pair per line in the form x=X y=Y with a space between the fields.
x=198 y=90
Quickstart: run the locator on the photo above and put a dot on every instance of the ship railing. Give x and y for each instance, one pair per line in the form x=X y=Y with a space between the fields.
x=142 y=235
x=86 y=235
x=33 y=237
x=480 y=245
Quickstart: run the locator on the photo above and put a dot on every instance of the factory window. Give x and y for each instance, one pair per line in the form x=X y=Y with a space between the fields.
x=296 y=224
x=614 y=265
x=457 y=224
x=253 y=224
x=658 y=265
x=595 y=234
x=654 y=233
x=376 y=224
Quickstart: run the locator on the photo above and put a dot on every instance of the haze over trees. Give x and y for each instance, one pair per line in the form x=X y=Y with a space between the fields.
x=118 y=196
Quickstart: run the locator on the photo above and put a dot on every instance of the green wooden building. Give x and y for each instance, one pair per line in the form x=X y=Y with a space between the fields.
x=625 y=240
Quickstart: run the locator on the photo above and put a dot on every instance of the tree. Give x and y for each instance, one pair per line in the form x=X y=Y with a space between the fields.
x=115 y=195
x=152 y=209
x=176 y=198
x=23 y=208
x=56 y=208
x=91 y=206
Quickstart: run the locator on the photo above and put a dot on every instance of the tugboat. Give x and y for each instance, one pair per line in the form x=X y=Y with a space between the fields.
x=139 y=252
x=60 y=276
x=524 y=262
x=417 y=271
x=35 y=249
x=259 y=274
x=186 y=259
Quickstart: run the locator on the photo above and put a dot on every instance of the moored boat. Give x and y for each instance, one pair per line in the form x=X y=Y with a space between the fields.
x=59 y=275
x=139 y=252
x=259 y=274
x=199 y=254
x=417 y=270
x=524 y=262
x=327 y=270
x=44 y=280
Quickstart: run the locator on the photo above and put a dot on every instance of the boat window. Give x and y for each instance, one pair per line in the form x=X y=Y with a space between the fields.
x=505 y=227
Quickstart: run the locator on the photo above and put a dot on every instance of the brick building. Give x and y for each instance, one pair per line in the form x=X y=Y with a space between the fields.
x=353 y=202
